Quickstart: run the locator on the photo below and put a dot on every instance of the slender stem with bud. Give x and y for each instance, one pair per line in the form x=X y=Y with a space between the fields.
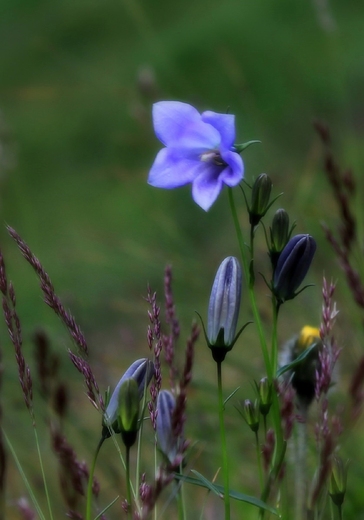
x=225 y=461
x=128 y=483
x=251 y=288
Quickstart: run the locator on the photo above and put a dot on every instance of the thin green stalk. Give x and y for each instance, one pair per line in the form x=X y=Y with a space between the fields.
x=225 y=463
x=274 y=359
x=251 y=289
x=90 y=480
x=259 y=459
x=180 y=499
x=340 y=511
x=128 y=483
x=42 y=471
x=24 y=477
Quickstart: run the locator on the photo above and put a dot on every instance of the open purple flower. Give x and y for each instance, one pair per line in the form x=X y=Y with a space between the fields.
x=199 y=148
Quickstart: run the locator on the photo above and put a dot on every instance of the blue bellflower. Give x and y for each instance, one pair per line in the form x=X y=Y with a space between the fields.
x=199 y=149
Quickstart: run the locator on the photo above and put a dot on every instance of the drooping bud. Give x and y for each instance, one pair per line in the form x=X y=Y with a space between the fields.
x=292 y=266
x=337 y=482
x=142 y=372
x=128 y=411
x=251 y=414
x=261 y=191
x=224 y=307
x=279 y=235
x=167 y=441
x=265 y=392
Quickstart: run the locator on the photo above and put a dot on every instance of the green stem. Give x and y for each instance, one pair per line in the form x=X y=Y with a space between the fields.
x=270 y=364
x=251 y=265
x=251 y=289
x=90 y=480
x=274 y=360
x=180 y=499
x=259 y=458
x=42 y=471
x=225 y=464
x=128 y=483
x=340 y=512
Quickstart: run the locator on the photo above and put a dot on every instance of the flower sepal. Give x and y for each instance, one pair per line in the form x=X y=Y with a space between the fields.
x=239 y=148
x=219 y=348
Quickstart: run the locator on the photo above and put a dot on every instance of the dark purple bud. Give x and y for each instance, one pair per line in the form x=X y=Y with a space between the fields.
x=167 y=441
x=292 y=266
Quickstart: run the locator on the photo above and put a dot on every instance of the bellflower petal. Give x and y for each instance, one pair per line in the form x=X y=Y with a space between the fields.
x=231 y=175
x=206 y=188
x=224 y=124
x=199 y=149
x=170 y=171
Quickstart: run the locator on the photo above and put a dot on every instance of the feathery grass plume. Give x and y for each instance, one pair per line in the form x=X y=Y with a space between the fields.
x=50 y=297
x=93 y=392
x=327 y=428
x=14 y=329
x=60 y=400
x=179 y=418
x=155 y=343
x=47 y=363
x=73 y=474
x=345 y=239
x=150 y=494
x=52 y=300
x=169 y=340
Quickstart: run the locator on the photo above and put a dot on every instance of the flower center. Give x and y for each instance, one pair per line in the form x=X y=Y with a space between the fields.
x=213 y=156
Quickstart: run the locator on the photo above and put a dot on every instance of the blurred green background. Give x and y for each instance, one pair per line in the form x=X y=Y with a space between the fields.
x=77 y=82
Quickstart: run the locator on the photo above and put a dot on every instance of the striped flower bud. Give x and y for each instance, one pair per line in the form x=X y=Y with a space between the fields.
x=292 y=266
x=167 y=441
x=142 y=372
x=224 y=306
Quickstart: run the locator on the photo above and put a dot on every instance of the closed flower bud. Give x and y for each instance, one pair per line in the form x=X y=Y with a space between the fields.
x=142 y=372
x=292 y=266
x=303 y=375
x=279 y=235
x=128 y=411
x=261 y=191
x=251 y=414
x=224 y=305
x=337 y=482
x=167 y=441
x=265 y=392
